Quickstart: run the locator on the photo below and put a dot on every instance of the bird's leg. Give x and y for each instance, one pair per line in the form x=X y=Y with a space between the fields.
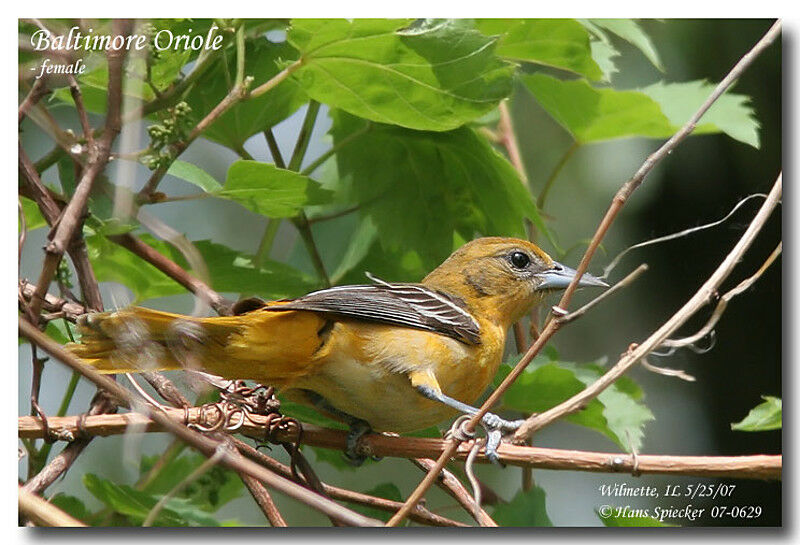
x=493 y=423
x=358 y=427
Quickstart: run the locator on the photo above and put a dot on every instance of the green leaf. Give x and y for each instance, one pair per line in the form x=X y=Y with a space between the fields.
x=604 y=54
x=66 y=174
x=387 y=491
x=432 y=75
x=187 y=509
x=763 y=417
x=271 y=191
x=617 y=412
x=440 y=183
x=595 y=114
x=209 y=492
x=630 y=31
x=730 y=114
x=191 y=513
x=57 y=330
x=560 y=43
x=527 y=509
x=166 y=68
x=194 y=175
x=262 y=62
x=70 y=505
x=629 y=520
x=33 y=217
x=130 y=502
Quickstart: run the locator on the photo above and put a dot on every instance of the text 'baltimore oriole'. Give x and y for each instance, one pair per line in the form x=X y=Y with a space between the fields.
x=387 y=356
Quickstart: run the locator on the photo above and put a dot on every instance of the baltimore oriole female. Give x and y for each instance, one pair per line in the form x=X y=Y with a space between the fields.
x=386 y=356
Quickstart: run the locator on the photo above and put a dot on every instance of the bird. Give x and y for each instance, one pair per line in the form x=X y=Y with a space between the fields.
x=383 y=357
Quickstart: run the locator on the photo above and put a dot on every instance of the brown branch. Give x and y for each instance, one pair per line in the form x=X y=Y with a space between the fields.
x=203 y=443
x=77 y=97
x=38 y=91
x=43 y=513
x=52 y=303
x=174 y=271
x=744 y=467
x=508 y=139
x=616 y=205
x=448 y=482
x=166 y=389
x=264 y=500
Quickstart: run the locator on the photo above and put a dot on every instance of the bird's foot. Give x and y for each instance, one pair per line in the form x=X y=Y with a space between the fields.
x=353 y=452
x=495 y=427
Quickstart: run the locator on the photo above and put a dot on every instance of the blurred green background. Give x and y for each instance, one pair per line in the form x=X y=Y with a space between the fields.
x=698 y=183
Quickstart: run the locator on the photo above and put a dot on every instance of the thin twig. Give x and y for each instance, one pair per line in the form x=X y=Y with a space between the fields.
x=166 y=389
x=672 y=236
x=43 y=513
x=174 y=271
x=344 y=142
x=276 y=79
x=301 y=221
x=231 y=99
x=627 y=281
x=304 y=228
x=264 y=500
x=77 y=97
x=508 y=138
x=334 y=215
x=64 y=460
x=723 y=304
x=274 y=150
x=52 y=303
x=450 y=484
x=37 y=92
x=618 y=202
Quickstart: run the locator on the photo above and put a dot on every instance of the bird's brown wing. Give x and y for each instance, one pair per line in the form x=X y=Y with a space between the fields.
x=408 y=305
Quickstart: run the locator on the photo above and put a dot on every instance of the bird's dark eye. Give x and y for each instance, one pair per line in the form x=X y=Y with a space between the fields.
x=520 y=260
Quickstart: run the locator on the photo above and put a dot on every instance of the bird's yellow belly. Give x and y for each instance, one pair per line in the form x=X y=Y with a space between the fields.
x=372 y=382
x=383 y=398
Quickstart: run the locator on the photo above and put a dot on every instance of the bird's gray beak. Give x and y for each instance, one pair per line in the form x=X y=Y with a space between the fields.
x=560 y=276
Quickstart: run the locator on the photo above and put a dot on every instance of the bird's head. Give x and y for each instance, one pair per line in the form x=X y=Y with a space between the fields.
x=503 y=278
